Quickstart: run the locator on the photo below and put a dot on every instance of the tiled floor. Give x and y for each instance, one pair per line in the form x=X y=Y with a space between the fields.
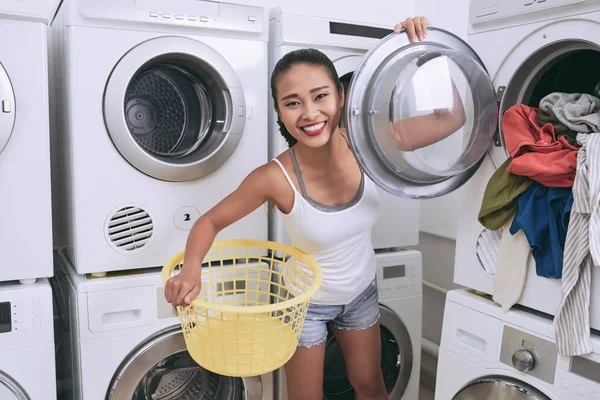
x=425 y=393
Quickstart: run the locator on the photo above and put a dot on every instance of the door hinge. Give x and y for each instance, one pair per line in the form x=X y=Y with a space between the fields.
x=499 y=95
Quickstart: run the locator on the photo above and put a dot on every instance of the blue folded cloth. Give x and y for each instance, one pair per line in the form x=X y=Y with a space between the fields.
x=543 y=215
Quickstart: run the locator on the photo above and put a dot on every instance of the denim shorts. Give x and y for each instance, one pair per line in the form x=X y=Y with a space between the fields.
x=360 y=313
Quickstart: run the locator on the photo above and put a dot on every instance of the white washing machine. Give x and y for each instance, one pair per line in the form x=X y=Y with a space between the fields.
x=160 y=114
x=488 y=354
x=26 y=342
x=122 y=340
x=345 y=43
x=26 y=212
x=532 y=45
x=399 y=276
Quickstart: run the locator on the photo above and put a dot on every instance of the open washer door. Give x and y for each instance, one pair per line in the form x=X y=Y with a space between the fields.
x=174 y=108
x=7 y=109
x=421 y=116
x=11 y=390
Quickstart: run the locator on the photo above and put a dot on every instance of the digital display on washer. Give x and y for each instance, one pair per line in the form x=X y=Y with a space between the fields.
x=5 y=318
x=340 y=28
x=395 y=271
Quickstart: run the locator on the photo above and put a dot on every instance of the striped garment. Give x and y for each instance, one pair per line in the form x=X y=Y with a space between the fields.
x=582 y=252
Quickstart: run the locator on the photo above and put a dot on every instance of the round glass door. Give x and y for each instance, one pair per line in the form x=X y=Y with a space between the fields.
x=174 y=108
x=421 y=116
x=7 y=108
x=162 y=369
x=500 y=387
x=11 y=390
x=396 y=361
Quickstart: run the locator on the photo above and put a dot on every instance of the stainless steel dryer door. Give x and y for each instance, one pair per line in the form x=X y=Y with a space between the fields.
x=421 y=116
x=500 y=387
x=174 y=108
x=396 y=361
x=11 y=390
x=161 y=368
x=7 y=108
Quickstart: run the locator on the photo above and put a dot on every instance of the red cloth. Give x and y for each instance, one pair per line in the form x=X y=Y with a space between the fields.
x=535 y=150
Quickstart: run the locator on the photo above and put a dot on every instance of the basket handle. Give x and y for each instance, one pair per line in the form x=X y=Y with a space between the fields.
x=170 y=265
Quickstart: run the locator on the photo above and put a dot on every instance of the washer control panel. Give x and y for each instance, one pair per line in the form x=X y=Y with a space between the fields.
x=399 y=274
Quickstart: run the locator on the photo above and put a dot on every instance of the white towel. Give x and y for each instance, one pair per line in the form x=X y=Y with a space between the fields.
x=582 y=251
x=511 y=270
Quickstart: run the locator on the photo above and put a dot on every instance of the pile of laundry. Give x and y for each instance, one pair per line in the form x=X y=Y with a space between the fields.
x=545 y=199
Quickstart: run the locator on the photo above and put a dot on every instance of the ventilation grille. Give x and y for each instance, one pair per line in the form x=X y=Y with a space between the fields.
x=488 y=247
x=130 y=228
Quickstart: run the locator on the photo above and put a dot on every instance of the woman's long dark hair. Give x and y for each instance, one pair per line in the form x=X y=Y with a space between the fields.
x=302 y=56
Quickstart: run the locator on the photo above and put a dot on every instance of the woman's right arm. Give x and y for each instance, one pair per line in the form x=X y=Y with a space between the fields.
x=253 y=192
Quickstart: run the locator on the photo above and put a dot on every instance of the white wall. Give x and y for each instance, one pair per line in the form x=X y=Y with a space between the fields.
x=381 y=12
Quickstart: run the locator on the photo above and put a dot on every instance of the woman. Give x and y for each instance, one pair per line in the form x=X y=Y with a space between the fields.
x=328 y=206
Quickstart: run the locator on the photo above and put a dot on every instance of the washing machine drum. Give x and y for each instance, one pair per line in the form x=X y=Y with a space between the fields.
x=162 y=369
x=396 y=361
x=7 y=108
x=174 y=108
x=10 y=389
x=499 y=387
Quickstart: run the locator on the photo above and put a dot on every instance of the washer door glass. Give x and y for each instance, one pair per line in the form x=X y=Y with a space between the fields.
x=11 y=390
x=7 y=108
x=396 y=361
x=162 y=369
x=500 y=387
x=174 y=108
x=422 y=116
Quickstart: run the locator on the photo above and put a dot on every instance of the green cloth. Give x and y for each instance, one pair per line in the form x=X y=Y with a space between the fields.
x=500 y=198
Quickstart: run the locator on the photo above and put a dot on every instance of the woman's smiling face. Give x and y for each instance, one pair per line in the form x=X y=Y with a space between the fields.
x=309 y=104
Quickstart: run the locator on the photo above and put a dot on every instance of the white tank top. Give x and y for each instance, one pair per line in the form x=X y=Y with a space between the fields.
x=339 y=238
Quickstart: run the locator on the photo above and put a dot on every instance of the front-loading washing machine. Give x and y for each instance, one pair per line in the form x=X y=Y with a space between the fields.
x=530 y=49
x=27 y=359
x=160 y=112
x=488 y=354
x=399 y=279
x=120 y=339
x=345 y=43
x=25 y=212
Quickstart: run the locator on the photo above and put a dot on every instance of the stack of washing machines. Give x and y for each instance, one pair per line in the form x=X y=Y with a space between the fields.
x=539 y=48
x=158 y=112
x=143 y=115
x=26 y=306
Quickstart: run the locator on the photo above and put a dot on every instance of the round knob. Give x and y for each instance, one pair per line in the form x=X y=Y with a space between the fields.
x=523 y=360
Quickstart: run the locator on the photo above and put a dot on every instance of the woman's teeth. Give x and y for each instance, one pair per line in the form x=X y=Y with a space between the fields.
x=314 y=128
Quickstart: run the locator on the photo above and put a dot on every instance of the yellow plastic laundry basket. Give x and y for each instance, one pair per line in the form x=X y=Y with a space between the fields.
x=249 y=314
